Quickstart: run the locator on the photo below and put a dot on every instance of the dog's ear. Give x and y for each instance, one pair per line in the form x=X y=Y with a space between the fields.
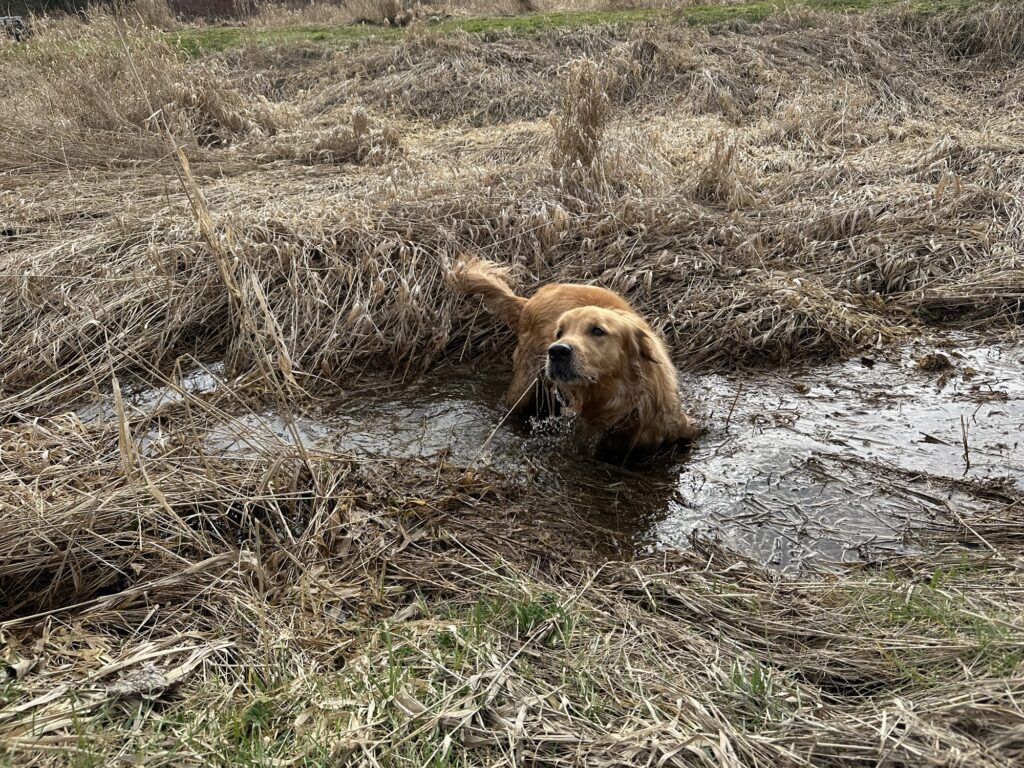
x=642 y=346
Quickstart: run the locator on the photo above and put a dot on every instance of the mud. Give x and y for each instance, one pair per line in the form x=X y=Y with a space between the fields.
x=829 y=464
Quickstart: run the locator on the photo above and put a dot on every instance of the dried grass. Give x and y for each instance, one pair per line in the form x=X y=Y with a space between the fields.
x=360 y=141
x=703 y=225
x=155 y=14
x=421 y=631
x=724 y=181
x=108 y=93
x=389 y=13
x=579 y=126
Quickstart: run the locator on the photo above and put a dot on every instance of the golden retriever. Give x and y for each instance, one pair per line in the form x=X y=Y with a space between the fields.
x=603 y=360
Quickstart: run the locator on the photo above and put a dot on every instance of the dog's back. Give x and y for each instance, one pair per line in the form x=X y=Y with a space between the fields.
x=490 y=281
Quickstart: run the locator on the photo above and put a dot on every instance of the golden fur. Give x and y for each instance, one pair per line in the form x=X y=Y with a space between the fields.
x=603 y=359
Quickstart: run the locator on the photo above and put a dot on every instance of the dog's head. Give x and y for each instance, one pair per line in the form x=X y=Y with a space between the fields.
x=598 y=346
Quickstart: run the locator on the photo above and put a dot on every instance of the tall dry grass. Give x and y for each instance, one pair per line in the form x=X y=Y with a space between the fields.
x=579 y=125
x=107 y=93
x=766 y=245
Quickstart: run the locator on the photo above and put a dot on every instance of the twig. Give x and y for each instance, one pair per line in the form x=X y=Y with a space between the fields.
x=967 y=448
x=735 y=401
x=504 y=418
x=978 y=536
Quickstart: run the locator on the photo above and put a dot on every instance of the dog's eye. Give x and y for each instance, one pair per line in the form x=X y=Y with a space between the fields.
x=597 y=331
x=559 y=333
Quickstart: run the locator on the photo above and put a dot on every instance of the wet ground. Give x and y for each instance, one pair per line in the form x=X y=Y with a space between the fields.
x=830 y=463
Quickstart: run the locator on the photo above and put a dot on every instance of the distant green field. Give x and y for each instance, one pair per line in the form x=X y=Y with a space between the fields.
x=199 y=41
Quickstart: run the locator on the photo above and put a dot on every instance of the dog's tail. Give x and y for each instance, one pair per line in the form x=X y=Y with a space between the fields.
x=490 y=280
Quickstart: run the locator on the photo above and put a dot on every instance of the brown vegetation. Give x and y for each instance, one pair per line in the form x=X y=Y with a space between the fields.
x=755 y=243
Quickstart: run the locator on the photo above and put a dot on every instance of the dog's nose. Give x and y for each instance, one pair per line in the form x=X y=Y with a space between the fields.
x=559 y=351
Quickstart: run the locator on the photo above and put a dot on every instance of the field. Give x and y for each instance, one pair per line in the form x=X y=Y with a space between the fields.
x=260 y=506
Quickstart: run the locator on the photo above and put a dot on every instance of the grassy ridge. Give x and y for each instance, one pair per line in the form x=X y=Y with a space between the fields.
x=196 y=42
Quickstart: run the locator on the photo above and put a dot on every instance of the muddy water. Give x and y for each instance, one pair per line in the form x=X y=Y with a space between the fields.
x=843 y=462
x=832 y=463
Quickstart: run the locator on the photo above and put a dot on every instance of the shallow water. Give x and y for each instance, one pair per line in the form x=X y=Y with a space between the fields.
x=840 y=462
x=831 y=463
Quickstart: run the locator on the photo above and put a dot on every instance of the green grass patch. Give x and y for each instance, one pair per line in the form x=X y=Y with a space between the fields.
x=196 y=42
x=755 y=690
x=522 y=618
x=9 y=692
x=939 y=608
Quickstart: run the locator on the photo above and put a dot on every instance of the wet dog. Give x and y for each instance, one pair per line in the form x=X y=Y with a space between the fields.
x=601 y=358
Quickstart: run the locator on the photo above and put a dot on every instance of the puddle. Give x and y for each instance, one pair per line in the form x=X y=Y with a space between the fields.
x=832 y=463
x=840 y=462
x=146 y=399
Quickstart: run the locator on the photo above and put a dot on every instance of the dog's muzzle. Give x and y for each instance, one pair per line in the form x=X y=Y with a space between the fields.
x=559 y=367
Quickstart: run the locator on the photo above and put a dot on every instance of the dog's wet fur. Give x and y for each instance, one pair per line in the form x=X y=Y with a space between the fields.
x=597 y=354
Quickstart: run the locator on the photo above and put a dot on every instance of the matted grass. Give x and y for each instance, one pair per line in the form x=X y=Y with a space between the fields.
x=757 y=216
x=397 y=626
